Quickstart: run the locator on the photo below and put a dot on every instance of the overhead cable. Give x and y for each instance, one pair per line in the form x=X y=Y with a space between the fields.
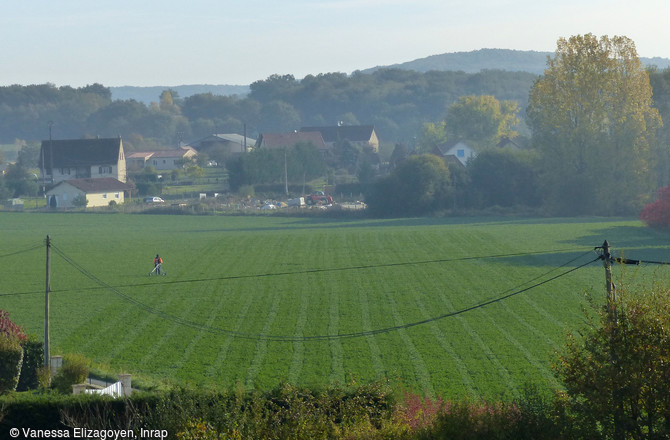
x=285 y=338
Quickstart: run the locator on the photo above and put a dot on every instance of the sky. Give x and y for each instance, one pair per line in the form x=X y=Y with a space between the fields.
x=170 y=43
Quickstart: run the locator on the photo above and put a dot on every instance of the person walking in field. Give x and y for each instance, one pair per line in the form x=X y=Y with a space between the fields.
x=158 y=261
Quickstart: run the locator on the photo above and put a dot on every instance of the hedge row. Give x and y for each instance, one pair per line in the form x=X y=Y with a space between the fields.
x=287 y=412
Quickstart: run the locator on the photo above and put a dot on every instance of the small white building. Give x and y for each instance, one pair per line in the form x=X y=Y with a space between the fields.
x=98 y=192
x=460 y=150
x=164 y=160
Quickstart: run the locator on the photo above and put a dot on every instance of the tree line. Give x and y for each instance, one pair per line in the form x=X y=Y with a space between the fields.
x=590 y=129
x=396 y=101
x=597 y=143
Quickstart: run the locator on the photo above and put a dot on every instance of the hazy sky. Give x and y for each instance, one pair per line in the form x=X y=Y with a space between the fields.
x=169 y=43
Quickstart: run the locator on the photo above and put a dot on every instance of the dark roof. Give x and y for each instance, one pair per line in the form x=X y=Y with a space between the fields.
x=80 y=152
x=97 y=185
x=288 y=140
x=353 y=133
x=227 y=138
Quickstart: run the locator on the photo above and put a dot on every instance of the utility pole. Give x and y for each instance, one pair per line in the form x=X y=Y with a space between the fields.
x=618 y=410
x=46 y=304
x=285 y=173
x=51 y=152
x=607 y=261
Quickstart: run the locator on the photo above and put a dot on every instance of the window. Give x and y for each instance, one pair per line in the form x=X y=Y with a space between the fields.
x=116 y=195
x=104 y=170
x=104 y=196
x=460 y=153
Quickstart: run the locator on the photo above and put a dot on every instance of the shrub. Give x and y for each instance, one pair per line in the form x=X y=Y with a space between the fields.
x=11 y=358
x=616 y=371
x=10 y=329
x=33 y=359
x=200 y=430
x=75 y=370
x=465 y=420
x=657 y=213
x=80 y=201
x=11 y=352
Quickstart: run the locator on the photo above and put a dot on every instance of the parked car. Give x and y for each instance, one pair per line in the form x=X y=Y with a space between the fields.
x=153 y=200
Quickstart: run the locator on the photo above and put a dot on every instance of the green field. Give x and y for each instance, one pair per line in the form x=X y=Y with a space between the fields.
x=266 y=300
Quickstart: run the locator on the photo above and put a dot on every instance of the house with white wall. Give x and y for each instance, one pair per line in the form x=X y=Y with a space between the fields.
x=359 y=135
x=66 y=159
x=161 y=160
x=459 y=150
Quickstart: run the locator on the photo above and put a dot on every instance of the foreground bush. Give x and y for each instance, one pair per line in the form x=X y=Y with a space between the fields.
x=11 y=353
x=75 y=370
x=11 y=359
x=657 y=213
x=616 y=373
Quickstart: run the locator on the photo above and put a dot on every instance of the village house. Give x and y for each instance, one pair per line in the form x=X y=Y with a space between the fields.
x=66 y=159
x=289 y=140
x=228 y=142
x=458 y=150
x=359 y=135
x=161 y=160
x=98 y=192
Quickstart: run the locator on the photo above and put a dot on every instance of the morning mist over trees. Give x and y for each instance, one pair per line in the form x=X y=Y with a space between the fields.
x=556 y=151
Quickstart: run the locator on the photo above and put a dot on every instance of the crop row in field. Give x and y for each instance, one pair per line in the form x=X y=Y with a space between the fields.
x=262 y=300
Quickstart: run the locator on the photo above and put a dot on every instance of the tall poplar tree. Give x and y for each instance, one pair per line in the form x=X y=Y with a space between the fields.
x=592 y=118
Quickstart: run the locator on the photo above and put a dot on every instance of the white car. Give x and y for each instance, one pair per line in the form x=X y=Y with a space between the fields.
x=153 y=200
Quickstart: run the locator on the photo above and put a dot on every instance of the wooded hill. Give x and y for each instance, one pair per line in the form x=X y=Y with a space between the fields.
x=494 y=59
x=469 y=62
x=398 y=101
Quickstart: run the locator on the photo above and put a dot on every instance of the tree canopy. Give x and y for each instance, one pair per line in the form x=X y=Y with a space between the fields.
x=419 y=185
x=398 y=102
x=592 y=118
x=482 y=119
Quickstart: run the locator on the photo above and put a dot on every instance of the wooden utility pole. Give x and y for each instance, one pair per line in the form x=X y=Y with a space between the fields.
x=285 y=173
x=618 y=410
x=46 y=304
x=607 y=261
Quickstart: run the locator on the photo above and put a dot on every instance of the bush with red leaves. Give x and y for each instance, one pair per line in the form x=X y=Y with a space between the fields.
x=657 y=214
x=10 y=329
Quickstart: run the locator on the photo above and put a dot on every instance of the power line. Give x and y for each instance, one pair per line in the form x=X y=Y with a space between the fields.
x=32 y=248
x=323 y=270
x=284 y=338
x=629 y=261
x=298 y=272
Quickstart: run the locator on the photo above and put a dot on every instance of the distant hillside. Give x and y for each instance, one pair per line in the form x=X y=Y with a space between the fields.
x=493 y=59
x=151 y=94
x=469 y=62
